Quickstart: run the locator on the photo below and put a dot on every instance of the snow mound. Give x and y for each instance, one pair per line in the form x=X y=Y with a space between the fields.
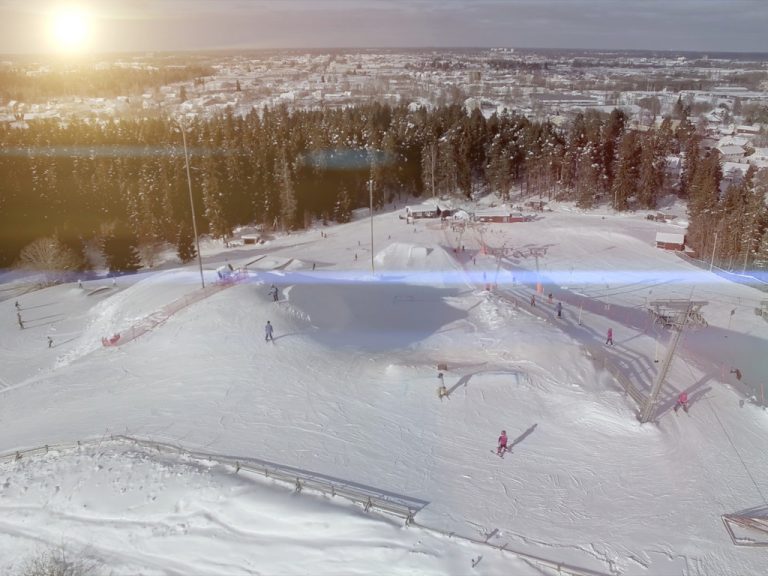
x=140 y=510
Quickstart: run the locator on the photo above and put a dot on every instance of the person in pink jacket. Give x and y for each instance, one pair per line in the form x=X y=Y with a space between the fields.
x=502 y=443
x=609 y=339
x=682 y=400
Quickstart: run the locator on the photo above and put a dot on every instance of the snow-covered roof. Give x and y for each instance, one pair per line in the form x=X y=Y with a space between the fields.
x=422 y=208
x=732 y=151
x=670 y=238
x=726 y=141
x=496 y=211
x=731 y=167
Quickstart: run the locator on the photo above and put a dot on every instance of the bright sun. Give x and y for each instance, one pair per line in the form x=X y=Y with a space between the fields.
x=70 y=29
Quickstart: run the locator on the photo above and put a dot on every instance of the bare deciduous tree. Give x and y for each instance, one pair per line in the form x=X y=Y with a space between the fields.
x=50 y=257
x=57 y=562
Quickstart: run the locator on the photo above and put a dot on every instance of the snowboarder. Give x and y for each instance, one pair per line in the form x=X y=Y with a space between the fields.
x=609 y=339
x=559 y=309
x=682 y=400
x=533 y=300
x=50 y=342
x=502 y=444
x=273 y=292
x=268 y=332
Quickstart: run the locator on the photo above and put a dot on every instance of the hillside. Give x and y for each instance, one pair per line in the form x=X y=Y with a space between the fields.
x=348 y=390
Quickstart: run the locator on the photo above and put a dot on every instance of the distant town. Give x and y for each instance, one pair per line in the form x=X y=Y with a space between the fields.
x=726 y=93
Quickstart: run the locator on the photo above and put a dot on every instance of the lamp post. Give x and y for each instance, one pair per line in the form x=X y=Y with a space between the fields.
x=192 y=203
x=370 y=196
x=370 y=200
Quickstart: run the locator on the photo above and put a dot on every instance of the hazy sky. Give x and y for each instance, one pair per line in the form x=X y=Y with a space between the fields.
x=140 y=25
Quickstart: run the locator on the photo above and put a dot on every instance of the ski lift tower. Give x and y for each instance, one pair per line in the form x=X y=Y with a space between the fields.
x=674 y=314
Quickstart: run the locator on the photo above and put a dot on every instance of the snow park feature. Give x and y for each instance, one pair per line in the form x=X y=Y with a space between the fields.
x=194 y=448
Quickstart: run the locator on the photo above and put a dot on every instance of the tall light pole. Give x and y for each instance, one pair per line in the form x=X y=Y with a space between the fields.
x=370 y=196
x=192 y=203
x=371 y=151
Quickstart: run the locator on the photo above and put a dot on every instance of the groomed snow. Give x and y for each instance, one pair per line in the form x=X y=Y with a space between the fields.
x=348 y=389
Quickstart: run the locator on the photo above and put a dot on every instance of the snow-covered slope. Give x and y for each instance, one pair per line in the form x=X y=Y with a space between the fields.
x=348 y=389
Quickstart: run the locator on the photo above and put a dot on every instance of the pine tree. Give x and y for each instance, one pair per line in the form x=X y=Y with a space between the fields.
x=429 y=166
x=287 y=192
x=342 y=211
x=120 y=249
x=185 y=244
x=611 y=136
x=704 y=211
x=691 y=159
x=627 y=171
x=651 y=172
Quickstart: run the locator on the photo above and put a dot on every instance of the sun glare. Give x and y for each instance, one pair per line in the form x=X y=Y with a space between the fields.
x=70 y=29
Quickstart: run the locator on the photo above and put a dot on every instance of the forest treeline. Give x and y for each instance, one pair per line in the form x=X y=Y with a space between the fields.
x=87 y=83
x=124 y=184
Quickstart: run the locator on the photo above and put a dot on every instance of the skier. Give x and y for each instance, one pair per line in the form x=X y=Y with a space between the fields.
x=18 y=306
x=682 y=400
x=50 y=342
x=559 y=309
x=533 y=300
x=609 y=339
x=313 y=266
x=502 y=444
x=549 y=297
x=273 y=292
x=21 y=322
x=268 y=332
x=441 y=390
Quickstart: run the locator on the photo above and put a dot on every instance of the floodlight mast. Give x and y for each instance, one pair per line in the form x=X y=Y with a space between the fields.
x=192 y=202
x=370 y=199
x=370 y=195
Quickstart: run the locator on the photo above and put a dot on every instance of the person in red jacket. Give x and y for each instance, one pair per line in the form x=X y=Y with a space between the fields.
x=502 y=443
x=682 y=400
x=609 y=339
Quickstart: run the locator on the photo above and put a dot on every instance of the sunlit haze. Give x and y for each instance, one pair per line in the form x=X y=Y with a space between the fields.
x=699 y=25
x=70 y=29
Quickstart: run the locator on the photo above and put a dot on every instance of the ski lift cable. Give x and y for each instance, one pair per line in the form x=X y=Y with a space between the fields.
x=728 y=436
